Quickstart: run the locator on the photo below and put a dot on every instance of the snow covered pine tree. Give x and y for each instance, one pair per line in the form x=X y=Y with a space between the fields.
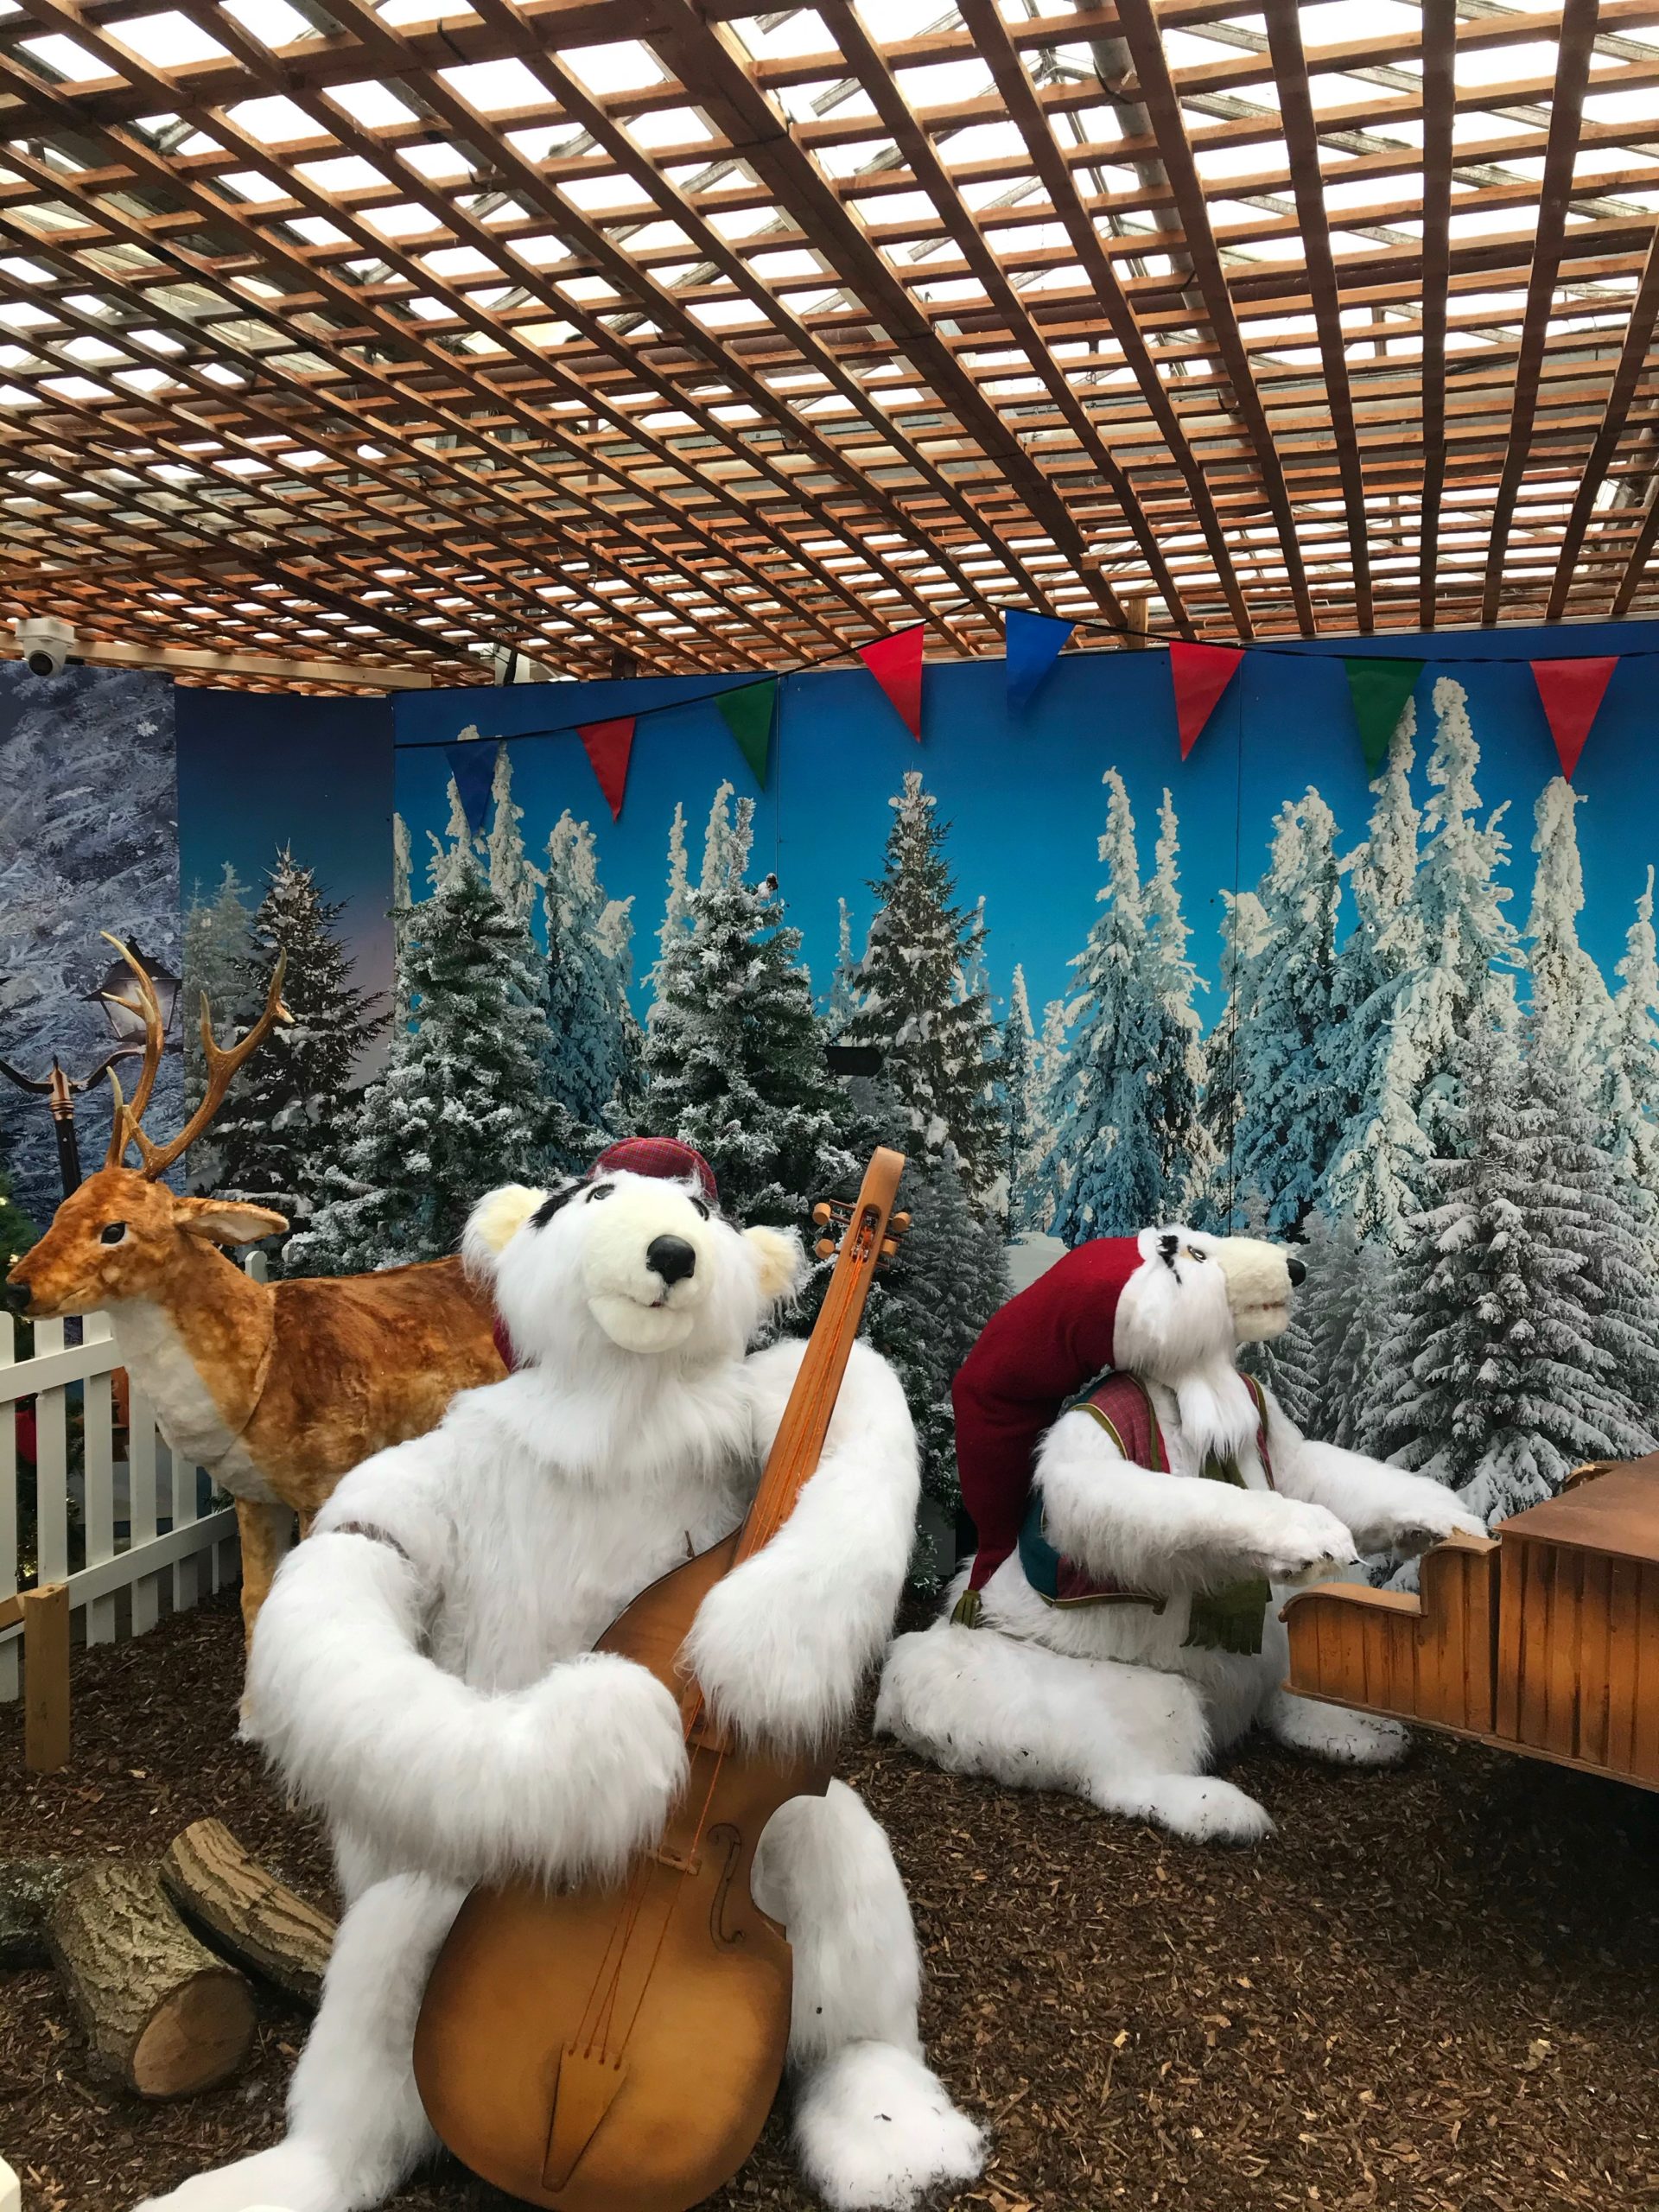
x=589 y=1021
x=922 y=1006
x=1115 y=1167
x=1501 y=1330
x=733 y=1052
x=461 y=1102
x=288 y=1115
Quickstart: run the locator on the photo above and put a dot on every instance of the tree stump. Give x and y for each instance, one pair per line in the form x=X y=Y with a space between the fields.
x=246 y=1911
x=162 y=2016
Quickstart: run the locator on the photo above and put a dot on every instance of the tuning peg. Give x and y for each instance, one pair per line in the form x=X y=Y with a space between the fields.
x=897 y=1223
x=889 y=1246
x=826 y=1248
x=823 y=1214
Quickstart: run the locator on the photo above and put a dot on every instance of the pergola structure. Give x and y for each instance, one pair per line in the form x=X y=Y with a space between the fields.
x=380 y=341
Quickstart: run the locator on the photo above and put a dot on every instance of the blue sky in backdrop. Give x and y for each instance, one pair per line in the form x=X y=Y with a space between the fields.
x=1023 y=793
x=256 y=773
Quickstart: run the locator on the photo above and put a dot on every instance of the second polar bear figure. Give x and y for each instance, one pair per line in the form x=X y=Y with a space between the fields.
x=1136 y=1498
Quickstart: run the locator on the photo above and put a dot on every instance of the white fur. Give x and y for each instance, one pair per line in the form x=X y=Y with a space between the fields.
x=497 y=1217
x=1105 y=1701
x=147 y=1343
x=423 y=1671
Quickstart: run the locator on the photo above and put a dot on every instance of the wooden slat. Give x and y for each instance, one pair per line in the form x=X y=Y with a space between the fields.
x=1291 y=66
x=1578 y=31
x=1158 y=91
x=765 y=349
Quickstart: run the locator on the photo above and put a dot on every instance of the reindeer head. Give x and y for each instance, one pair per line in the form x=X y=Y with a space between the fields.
x=121 y=1234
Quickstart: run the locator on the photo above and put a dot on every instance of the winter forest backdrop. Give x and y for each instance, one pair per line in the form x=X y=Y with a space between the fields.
x=1411 y=1023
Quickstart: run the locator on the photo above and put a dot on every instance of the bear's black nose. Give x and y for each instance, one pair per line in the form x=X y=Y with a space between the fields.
x=1298 y=1273
x=671 y=1257
x=15 y=1297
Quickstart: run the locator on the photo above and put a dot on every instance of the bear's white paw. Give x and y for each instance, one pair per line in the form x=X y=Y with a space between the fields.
x=291 y=2178
x=1297 y=1540
x=876 y=2131
x=1205 y=1810
x=1431 y=1523
x=1328 y=1731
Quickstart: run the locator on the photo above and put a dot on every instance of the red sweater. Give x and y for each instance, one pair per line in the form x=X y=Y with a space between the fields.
x=1038 y=1350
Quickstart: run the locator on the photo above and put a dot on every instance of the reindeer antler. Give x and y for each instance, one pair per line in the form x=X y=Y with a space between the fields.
x=147 y=1007
x=223 y=1061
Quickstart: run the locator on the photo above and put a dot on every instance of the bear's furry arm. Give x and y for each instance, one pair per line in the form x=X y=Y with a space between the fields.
x=1171 y=1533
x=1387 y=1508
x=781 y=1646
x=566 y=1778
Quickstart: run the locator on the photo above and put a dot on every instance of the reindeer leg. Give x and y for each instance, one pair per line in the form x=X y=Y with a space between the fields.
x=266 y=1532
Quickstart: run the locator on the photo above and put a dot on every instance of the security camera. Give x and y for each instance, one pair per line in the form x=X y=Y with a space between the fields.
x=46 y=642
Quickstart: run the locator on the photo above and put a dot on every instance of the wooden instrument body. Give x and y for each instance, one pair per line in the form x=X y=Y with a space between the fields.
x=619 y=2050
x=1542 y=1640
x=505 y=2006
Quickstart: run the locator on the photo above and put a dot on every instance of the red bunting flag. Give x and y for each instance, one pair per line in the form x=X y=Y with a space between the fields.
x=608 y=745
x=1200 y=674
x=1571 y=692
x=895 y=662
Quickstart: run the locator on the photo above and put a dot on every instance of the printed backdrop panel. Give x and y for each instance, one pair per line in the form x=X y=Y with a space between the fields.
x=259 y=776
x=88 y=842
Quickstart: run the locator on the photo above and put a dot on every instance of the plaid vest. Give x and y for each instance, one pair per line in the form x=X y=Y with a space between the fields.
x=1122 y=1405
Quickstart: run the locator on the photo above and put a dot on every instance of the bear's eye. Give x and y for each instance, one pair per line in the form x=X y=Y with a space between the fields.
x=600 y=1191
x=701 y=1210
x=1193 y=1253
x=112 y=1232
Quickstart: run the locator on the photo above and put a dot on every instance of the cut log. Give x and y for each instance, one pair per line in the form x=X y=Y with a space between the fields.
x=28 y=1890
x=246 y=1911
x=162 y=2016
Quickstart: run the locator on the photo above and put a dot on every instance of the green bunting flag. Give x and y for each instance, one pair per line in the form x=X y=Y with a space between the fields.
x=747 y=711
x=1380 y=688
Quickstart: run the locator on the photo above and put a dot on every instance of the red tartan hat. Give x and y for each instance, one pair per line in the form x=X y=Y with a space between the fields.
x=664 y=1156
x=1034 y=1353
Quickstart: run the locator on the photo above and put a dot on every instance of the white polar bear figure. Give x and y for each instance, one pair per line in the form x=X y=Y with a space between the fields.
x=423 y=1672
x=1117 y=1629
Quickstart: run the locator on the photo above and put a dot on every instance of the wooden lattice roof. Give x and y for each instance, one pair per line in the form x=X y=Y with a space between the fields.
x=716 y=340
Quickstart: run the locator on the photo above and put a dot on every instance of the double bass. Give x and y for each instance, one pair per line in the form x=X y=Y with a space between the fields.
x=617 y=2048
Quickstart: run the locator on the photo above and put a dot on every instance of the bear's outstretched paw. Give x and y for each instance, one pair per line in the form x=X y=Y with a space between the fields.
x=1330 y=1731
x=1199 y=1806
x=291 y=2178
x=876 y=2131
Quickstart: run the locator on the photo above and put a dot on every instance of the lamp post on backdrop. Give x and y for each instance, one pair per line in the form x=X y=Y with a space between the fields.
x=61 y=1090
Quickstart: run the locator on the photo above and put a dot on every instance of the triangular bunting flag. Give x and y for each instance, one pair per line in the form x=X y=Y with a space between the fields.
x=1572 y=691
x=472 y=766
x=1200 y=674
x=608 y=745
x=748 y=710
x=1379 y=690
x=1032 y=644
x=895 y=662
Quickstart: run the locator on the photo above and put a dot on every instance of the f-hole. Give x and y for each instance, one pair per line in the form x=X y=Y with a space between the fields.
x=724 y=1843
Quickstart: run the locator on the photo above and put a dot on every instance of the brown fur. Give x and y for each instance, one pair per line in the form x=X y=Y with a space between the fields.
x=312 y=1375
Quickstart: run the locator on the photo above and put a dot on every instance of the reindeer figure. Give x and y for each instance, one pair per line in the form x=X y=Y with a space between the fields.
x=277 y=1388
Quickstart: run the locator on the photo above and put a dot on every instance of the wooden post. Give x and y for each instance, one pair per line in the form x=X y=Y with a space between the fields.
x=46 y=1678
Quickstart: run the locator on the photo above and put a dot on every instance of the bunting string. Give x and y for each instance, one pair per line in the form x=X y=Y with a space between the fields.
x=1571 y=690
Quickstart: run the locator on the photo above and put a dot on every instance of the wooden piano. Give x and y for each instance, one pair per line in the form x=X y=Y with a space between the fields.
x=1542 y=1639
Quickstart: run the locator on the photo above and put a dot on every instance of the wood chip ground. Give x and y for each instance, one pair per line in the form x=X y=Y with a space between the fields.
x=1434 y=1991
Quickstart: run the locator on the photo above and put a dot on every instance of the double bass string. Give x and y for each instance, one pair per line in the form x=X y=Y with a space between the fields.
x=770 y=1509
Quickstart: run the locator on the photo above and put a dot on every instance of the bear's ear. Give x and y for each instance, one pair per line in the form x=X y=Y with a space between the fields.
x=494 y=1222
x=780 y=1263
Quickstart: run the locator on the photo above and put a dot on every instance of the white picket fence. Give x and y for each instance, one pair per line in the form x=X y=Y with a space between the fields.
x=143 y=1523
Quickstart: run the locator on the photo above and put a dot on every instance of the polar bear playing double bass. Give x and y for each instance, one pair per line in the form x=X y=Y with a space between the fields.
x=1136 y=1497
x=423 y=1671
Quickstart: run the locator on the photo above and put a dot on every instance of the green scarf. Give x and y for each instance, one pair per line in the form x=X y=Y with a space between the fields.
x=1229 y=1619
